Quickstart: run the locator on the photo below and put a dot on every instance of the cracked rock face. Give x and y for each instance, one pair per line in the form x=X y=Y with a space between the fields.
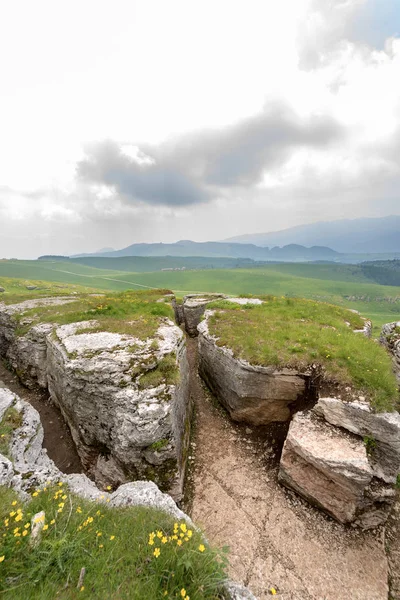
x=192 y=310
x=390 y=337
x=122 y=429
x=383 y=429
x=253 y=394
x=125 y=400
x=331 y=469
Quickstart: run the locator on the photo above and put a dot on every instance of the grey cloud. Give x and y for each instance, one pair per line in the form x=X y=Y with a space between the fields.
x=332 y=25
x=196 y=168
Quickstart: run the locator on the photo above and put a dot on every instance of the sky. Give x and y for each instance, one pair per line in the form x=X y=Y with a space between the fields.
x=152 y=121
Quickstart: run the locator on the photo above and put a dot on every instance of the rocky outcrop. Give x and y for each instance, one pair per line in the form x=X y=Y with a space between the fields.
x=250 y=393
x=332 y=469
x=381 y=432
x=125 y=400
x=390 y=337
x=124 y=426
x=192 y=310
x=26 y=353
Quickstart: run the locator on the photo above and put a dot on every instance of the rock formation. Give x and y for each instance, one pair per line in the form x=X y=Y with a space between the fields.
x=250 y=393
x=332 y=468
x=125 y=400
x=390 y=337
x=192 y=309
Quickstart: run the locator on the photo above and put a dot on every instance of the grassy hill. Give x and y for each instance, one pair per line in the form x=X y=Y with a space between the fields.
x=345 y=285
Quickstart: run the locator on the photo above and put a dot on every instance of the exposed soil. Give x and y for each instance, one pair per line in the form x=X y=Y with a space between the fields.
x=57 y=436
x=276 y=539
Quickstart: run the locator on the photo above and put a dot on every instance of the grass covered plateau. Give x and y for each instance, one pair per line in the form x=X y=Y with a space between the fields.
x=298 y=333
x=134 y=313
x=133 y=553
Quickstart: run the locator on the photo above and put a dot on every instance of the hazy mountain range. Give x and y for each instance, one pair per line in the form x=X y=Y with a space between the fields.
x=291 y=252
x=340 y=241
x=356 y=236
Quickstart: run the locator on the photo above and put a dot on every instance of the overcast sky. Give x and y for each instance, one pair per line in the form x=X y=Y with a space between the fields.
x=157 y=120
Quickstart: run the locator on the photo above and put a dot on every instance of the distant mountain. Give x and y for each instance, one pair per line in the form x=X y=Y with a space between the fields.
x=291 y=252
x=356 y=236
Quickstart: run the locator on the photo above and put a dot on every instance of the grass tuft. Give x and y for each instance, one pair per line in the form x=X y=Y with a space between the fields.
x=127 y=553
x=12 y=420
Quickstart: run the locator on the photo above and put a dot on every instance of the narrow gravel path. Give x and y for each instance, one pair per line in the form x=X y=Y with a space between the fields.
x=57 y=436
x=275 y=539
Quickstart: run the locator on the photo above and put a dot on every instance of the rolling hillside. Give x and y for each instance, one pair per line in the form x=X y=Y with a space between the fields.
x=345 y=285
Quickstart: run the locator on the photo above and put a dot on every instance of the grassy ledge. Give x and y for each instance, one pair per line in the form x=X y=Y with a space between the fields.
x=296 y=333
x=12 y=420
x=131 y=313
x=127 y=553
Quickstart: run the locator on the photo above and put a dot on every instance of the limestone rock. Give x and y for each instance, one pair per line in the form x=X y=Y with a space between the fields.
x=253 y=394
x=330 y=469
x=390 y=337
x=193 y=308
x=122 y=429
x=382 y=428
x=28 y=355
x=236 y=591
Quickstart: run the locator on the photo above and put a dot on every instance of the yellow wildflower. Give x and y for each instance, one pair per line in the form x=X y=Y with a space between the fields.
x=2 y=558
x=164 y=540
x=45 y=527
x=35 y=494
x=52 y=522
x=62 y=504
x=272 y=591
x=189 y=533
x=27 y=525
x=202 y=547
x=183 y=527
x=156 y=552
x=19 y=517
x=12 y=513
x=112 y=537
x=82 y=588
x=183 y=592
x=24 y=533
x=101 y=546
x=179 y=542
x=159 y=534
x=14 y=503
x=99 y=534
x=60 y=483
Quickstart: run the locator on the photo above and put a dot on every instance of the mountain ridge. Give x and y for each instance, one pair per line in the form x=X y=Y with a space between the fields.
x=349 y=236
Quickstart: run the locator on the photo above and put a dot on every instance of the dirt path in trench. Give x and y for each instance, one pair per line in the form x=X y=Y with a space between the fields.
x=57 y=437
x=275 y=539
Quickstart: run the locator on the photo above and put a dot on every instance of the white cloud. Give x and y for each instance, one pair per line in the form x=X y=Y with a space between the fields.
x=145 y=74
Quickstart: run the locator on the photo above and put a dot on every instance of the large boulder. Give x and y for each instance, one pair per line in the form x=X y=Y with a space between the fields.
x=125 y=400
x=380 y=432
x=250 y=393
x=330 y=468
x=390 y=337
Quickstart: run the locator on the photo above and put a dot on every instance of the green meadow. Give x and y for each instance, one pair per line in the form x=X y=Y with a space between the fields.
x=345 y=285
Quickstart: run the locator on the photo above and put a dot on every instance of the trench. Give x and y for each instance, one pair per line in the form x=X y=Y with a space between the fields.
x=57 y=437
x=277 y=540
